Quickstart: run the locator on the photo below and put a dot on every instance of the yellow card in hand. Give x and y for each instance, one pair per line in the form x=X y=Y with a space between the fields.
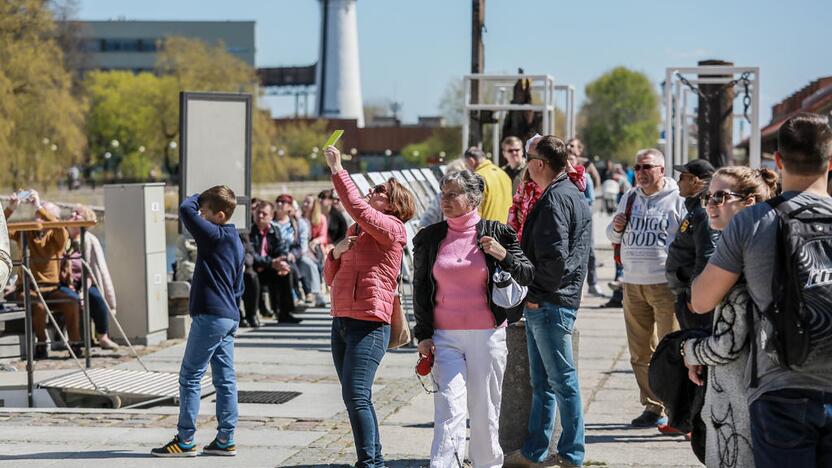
x=336 y=135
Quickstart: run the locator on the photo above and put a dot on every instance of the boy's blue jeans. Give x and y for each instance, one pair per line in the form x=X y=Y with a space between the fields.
x=554 y=382
x=211 y=340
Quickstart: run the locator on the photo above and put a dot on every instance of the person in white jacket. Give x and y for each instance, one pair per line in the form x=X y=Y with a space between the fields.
x=657 y=209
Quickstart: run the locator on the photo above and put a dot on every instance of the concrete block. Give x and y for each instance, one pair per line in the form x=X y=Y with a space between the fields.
x=517 y=391
x=179 y=289
x=12 y=347
x=178 y=297
x=178 y=326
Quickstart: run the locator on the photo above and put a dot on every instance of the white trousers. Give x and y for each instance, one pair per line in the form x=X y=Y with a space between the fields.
x=468 y=370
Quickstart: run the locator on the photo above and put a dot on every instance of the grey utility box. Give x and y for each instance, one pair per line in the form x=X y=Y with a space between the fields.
x=135 y=238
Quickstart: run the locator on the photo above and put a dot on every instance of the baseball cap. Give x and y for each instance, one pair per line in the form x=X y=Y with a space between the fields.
x=285 y=198
x=698 y=167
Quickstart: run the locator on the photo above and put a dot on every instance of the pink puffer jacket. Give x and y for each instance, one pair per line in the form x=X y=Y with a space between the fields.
x=363 y=280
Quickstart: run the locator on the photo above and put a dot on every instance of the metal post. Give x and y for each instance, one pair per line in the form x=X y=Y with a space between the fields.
x=668 y=115
x=29 y=336
x=86 y=298
x=677 y=126
x=547 y=101
x=495 y=135
x=754 y=158
x=466 y=85
x=572 y=131
x=685 y=126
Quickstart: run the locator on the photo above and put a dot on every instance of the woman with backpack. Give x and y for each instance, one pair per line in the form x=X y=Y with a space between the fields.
x=726 y=351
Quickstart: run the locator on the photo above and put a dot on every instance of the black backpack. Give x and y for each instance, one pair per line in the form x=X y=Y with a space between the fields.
x=800 y=315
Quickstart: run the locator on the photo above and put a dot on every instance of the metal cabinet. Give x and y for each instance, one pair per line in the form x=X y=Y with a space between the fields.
x=135 y=249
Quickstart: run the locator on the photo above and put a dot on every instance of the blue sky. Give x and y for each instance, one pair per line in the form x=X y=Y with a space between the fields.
x=411 y=50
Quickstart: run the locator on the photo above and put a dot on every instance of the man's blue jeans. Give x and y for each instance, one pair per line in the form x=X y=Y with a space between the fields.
x=357 y=349
x=211 y=340
x=792 y=428
x=554 y=381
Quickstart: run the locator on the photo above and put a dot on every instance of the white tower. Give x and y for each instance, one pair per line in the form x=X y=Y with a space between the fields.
x=338 y=74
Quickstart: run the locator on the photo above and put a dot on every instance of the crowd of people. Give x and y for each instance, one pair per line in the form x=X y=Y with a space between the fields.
x=57 y=263
x=724 y=281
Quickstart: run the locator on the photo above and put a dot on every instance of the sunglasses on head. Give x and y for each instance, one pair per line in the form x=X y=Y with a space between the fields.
x=645 y=167
x=379 y=190
x=719 y=197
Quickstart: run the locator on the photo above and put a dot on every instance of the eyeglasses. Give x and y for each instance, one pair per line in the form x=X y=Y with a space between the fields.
x=379 y=189
x=719 y=197
x=449 y=195
x=645 y=167
x=514 y=150
x=531 y=158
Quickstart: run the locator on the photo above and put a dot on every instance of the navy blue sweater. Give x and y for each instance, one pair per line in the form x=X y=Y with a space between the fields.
x=217 y=284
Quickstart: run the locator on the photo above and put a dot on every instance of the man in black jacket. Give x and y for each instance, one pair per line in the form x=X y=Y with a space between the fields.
x=270 y=251
x=693 y=245
x=556 y=239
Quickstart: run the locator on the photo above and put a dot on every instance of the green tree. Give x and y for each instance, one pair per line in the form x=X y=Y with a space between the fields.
x=40 y=120
x=141 y=111
x=125 y=107
x=447 y=140
x=620 y=114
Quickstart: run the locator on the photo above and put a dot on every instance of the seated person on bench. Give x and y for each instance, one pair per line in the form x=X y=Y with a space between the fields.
x=46 y=249
x=101 y=292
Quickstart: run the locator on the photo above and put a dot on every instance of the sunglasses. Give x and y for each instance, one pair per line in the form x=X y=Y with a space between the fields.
x=380 y=189
x=718 y=197
x=645 y=167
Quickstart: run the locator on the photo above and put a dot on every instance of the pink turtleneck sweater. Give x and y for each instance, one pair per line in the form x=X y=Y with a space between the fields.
x=461 y=278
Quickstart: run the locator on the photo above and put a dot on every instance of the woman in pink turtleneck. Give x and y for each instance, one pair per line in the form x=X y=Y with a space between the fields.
x=458 y=323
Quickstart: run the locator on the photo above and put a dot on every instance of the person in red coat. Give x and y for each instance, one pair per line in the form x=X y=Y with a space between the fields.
x=362 y=272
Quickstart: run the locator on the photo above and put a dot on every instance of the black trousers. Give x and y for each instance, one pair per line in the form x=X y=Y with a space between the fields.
x=251 y=294
x=688 y=320
x=280 y=291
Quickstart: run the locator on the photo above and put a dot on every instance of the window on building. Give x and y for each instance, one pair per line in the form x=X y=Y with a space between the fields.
x=120 y=45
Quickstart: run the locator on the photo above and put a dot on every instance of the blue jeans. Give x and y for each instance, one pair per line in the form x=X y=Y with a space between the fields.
x=357 y=349
x=554 y=381
x=211 y=340
x=98 y=311
x=792 y=428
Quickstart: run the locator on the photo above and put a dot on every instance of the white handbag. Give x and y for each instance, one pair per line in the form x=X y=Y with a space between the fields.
x=506 y=293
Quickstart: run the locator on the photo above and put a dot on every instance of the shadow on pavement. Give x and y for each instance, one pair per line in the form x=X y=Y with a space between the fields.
x=388 y=463
x=76 y=455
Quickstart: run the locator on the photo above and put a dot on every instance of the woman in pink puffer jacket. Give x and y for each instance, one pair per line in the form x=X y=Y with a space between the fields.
x=361 y=271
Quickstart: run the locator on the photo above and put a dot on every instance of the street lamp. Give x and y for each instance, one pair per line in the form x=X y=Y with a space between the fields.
x=172 y=145
x=141 y=149
x=114 y=143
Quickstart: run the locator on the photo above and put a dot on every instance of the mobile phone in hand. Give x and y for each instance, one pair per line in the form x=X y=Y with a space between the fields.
x=24 y=195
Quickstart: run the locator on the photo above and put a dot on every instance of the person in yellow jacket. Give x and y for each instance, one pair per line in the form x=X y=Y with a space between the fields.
x=496 y=198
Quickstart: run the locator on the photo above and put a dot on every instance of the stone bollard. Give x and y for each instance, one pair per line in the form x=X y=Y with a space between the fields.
x=517 y=390
x=178 y=297
x=179 y=322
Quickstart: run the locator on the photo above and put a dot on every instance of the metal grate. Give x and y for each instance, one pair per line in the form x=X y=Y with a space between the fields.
x=129 y=383
x=265 y=398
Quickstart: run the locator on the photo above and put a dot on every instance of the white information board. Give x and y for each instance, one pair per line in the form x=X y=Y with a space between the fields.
x=215 y=147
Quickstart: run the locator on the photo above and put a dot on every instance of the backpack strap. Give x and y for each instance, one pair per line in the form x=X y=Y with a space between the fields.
x=774 y=202
x=749 y=314
x=628 y=209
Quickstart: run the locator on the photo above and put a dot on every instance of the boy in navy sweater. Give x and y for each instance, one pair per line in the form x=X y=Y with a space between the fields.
x=216 y=289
